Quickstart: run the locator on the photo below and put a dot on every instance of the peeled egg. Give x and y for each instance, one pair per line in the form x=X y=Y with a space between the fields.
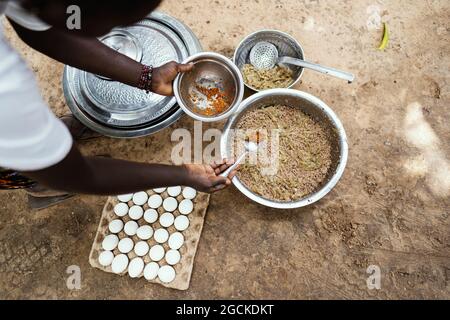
x=151 y=271
x=173 y=257
x=176 y=240
x=166 y=274
x=140 y=198
x=115 y=226
x=136 y=212
x=141 y=248
x=144 y=232
x=121 y=209
x=166 y=219
x=135 y=267
x=159 y=190
x=151 y=216
x=126 y=245
x=131 y=228
x=155 y=201
x=110 y=242
x=119 y=263
x=181 y=223
x=189 y=193
x=157 y=253
x=105 y=258
x=125 y=197
x=186 y=207
x=170 y=204
x=161 y=235
x=174 y=191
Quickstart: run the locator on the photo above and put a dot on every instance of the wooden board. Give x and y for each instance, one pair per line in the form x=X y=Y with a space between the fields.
x=188 y=250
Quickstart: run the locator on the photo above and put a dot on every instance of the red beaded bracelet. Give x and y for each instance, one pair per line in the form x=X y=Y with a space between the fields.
x=145 y=81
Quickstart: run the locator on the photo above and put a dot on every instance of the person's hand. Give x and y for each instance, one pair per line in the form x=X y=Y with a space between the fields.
x=206 y=178
x=163 y=76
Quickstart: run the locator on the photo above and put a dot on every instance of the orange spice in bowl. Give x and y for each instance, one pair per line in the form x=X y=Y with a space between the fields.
x=214 y=102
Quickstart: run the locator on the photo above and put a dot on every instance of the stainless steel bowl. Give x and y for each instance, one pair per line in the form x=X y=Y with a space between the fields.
x=310 y=105
x=286 y=45
x=212 y=68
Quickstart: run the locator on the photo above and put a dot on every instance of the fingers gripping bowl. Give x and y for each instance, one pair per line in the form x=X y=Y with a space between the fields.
x=309 y=105
x=212 y=91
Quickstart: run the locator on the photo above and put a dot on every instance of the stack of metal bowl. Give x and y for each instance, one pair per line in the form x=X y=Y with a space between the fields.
x=117 y=110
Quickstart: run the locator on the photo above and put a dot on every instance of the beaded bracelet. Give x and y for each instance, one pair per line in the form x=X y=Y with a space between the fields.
x=145 y=81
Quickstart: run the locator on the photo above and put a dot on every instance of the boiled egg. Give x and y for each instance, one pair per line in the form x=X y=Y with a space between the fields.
x=121 y=209
x=115 y=226
x=141 y=248
x=130 y=228
x=140 y=198
x=181 y=223
x=155 y=201
x=189 y=193
x=176 y=241
x=135 y=267
x=157 y=252
x=110 y=242
x=186 y=206
x=105 y=258
x=125 y=197
x=151 y=215
x=161 y=235
x=170 y=204
x=173 y=257
x=174 y=191
x=119 y=263
x=144 y=232
x=166 y=274
x=151 y=271
x=166 y=219
x=136 y=212
x=126 y=245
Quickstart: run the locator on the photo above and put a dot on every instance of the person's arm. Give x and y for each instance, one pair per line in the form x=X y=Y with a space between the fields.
x=91 y=55
x=34 y=141
x=105 y=176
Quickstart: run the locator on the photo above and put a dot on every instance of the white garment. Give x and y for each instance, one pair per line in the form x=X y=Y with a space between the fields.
x=19 y=15
x=31 y=137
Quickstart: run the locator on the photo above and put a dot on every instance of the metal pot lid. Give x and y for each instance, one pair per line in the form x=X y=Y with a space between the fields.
x=111 y=107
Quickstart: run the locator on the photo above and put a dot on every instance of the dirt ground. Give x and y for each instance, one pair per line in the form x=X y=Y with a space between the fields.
x=391 y=208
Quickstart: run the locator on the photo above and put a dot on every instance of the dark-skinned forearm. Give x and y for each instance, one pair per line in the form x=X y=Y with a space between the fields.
x=106 y=176
x=88 y=54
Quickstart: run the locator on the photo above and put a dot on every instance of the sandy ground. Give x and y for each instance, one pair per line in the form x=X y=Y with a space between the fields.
x=391 y=209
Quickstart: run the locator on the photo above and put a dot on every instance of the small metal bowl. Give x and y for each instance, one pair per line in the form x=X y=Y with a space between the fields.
x=310 y=105
x=286 y=45
x=214 y=68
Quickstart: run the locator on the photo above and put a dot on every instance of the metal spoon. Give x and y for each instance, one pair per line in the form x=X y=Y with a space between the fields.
x=249 y=147
x=264 y=55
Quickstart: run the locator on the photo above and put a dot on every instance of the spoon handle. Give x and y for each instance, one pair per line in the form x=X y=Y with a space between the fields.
x=227 y=172
x=316 y=67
